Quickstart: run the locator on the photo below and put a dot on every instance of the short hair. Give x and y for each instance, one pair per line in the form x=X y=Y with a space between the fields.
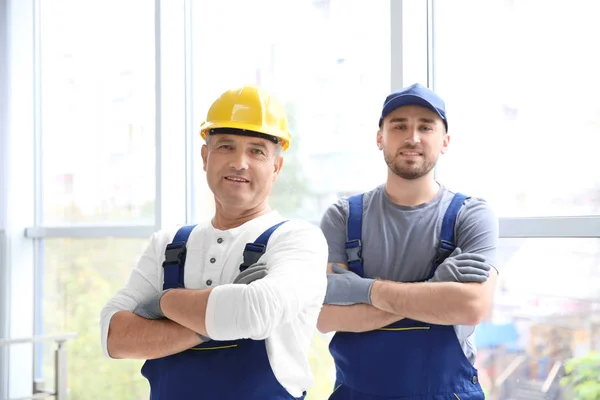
x=278 y=146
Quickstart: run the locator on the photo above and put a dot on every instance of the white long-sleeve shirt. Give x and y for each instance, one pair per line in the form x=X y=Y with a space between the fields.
x=282 y=308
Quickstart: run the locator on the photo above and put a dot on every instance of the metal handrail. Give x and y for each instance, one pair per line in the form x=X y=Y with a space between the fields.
x=36 y=396
x=59 y=338
x=60 y=364
x=551 y=376
x=512 y=367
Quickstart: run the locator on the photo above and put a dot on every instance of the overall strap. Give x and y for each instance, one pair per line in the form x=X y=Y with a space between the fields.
x=354 y=234
x=253 y=251
x=175 y=253
x=447 y=239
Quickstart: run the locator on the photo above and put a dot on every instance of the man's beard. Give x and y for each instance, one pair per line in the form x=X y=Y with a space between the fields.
x=409 y=172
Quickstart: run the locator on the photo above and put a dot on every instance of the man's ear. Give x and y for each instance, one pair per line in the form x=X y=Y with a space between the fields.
x=277 y=165
x=204 y=153
x=445 y=143
x=379 y=140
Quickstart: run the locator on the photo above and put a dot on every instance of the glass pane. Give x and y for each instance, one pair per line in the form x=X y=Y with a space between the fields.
x=322 y=367
x=98 y=123
x=78 y=277
x=522 y=103
x=547 y=316
x=317 y=58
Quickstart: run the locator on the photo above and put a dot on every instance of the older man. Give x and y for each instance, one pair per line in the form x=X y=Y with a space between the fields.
x=227 y=309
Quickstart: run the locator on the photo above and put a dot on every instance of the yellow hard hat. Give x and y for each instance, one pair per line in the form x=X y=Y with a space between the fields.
x=248 y=108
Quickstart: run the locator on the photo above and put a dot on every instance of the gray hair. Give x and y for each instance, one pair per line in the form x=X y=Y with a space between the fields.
x=278 y=147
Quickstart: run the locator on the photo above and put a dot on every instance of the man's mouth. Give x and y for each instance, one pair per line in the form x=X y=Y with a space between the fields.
x=410 y=153
x=237 y=179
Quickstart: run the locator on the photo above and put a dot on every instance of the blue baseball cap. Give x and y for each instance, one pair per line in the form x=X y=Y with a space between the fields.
x=415 y=95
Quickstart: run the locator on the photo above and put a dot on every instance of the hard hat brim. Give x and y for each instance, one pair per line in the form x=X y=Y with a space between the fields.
x=283 y=136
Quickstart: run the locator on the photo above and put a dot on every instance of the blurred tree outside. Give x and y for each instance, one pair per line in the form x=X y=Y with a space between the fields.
x=292 y=189
x=582 y=376
x=323 y=368
x=80 y=275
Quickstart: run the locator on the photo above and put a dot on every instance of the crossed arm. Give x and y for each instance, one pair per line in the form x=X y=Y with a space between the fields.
x=296 y=280
x=133 y=337
x=127 y=335
x=355 y=318
x=444 y=303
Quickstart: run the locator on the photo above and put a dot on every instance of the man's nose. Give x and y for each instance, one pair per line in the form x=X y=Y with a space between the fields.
x=239 y=160
x=414 y=136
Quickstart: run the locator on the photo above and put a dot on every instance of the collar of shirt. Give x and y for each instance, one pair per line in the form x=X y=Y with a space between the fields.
x=214 y=255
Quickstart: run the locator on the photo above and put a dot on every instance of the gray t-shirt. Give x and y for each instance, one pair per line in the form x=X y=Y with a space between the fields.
x=400 y=242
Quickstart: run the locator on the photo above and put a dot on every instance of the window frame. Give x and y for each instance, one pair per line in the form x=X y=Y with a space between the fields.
x=17 y=35
x=22 y=230
x=587 y=226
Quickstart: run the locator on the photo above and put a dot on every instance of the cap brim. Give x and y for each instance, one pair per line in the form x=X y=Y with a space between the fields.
x=408 y=100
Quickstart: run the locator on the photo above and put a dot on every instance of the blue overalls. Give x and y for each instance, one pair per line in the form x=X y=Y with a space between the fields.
x=215 y=370
x=408 y=359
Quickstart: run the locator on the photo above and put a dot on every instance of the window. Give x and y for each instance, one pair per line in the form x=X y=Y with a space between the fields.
x=546 y=311
x=328 y=62
x=80 y=275
x=121 y=88
x=316 y=58
x=98 y=130
x=559 y=267
x=524 y=125
x=97 y=173
x=97 y=112
x=523 y=116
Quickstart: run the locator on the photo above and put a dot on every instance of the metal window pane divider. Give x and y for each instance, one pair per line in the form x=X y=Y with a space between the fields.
x=522 y=227
x=92 y=231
